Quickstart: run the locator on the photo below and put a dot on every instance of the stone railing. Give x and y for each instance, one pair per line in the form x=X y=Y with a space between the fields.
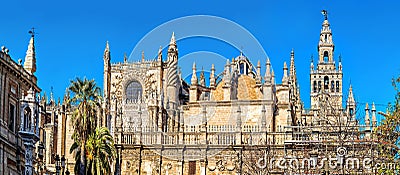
x=151 y=136
x=221 y=138
x=192 y=138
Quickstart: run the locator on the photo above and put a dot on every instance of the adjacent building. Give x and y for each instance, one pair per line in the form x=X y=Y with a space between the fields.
x=19 y=112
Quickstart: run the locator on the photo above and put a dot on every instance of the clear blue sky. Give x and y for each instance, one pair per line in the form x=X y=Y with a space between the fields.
x=72 y=35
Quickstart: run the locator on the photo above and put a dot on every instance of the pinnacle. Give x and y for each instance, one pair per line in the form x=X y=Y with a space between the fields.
x=194 y=66
x=173 y=39
x=107 y=46
x=30 y=58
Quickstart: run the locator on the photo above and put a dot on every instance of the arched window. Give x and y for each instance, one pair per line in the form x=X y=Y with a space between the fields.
x=315 y=86
x=326 y=83
x=332 y=86
x=351 y=111
x=27 y=118
x=326 y=56
x=241 y=68
x=133 y=91
x=337 y=86
x=319 y=86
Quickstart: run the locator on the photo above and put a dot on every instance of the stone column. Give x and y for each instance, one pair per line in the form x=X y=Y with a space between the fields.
x=28 y=156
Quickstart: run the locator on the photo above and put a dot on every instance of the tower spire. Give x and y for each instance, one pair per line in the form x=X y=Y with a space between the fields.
x=142 y=56
x=212 y=76
x=125 y=58
x=107 y=78
x=367 y=119
x=267 y=77
x=285 y=75
x=373 y=111
x=292 y=72
x=326 y=46
x=194 y=79
x=350 y=99
x=172 y=41
x=30 y=58
x=258 y=77
x=202 y=78
x=172 y=72
x=106 y=55
x=159 y=58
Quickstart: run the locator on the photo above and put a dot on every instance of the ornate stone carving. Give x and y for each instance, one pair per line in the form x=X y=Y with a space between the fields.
x=172 y=69
x=150 y=84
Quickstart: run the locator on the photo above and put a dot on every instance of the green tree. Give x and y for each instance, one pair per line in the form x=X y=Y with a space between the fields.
x=86 y=99
x=100 y=151
x=388 y=133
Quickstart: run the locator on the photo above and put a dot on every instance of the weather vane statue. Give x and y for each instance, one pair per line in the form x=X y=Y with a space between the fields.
x=325 y=13
x=32 y=32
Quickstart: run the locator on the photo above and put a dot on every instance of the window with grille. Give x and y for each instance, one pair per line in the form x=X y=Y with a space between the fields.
x=133 y=91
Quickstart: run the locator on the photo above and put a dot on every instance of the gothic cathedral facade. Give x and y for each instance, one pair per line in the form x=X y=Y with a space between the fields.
x=165 y=125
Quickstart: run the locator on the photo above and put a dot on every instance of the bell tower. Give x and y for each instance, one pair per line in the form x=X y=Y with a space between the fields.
x=326 y=79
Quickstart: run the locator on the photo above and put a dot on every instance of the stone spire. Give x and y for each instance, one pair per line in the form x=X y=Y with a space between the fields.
x=367 y=119
x=66 y=97
x=212 y=76
x=267 y=86
x=202 y=78
x=227 y=74
x=106 y=55
x=52 y=101
x=142 y=56
x=172 y=82
x=272 y=76
x=350 y=98
x=159 y=58
x=30 y=58
x=267 y=77
x=285 y=74
x=258 y=77
x=373 y=111
x=125 y=58
x=292 y=72
x=107 y=78
x=326 y=46
x=351 y=104
x=194 y=79
x=172 y=41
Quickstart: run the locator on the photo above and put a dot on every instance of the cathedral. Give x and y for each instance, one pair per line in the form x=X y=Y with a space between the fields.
x=165 y=125
x=242 y=122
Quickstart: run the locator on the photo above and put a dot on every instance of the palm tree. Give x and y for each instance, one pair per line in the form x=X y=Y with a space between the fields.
x=86 y=100
x=100 y=151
